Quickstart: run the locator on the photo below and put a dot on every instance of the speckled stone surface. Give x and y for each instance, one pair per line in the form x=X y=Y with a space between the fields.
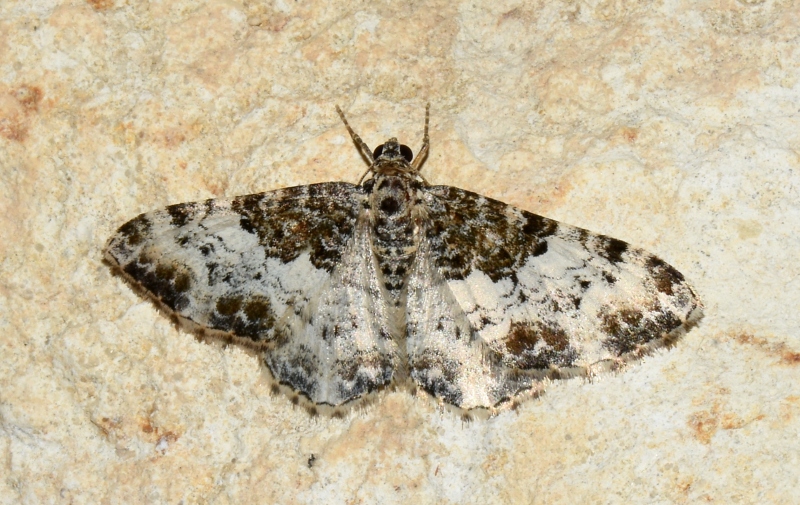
x=674 y=126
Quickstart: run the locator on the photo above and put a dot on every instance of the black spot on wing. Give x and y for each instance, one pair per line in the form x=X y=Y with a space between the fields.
x=247 y=225
x=538 y=226
x=611 y=248
x=181 y=213
x=539 y=249
x=134 y=232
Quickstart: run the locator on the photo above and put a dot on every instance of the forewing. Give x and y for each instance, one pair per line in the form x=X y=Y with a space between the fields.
x=542 y=299
x=261 y=269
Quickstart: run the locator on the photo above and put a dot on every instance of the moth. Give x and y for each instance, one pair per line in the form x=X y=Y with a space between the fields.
x=344 y=290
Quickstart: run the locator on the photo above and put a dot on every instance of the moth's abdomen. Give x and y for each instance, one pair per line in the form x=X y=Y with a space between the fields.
x=395 y=238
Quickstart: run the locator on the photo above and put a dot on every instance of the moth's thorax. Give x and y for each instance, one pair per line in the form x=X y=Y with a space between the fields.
x=393 y=167
x=395 y=237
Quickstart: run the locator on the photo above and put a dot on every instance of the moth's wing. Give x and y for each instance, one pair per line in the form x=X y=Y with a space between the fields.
x=342 y=345
x=540 y=299
x=446 y=356
x=286 y=272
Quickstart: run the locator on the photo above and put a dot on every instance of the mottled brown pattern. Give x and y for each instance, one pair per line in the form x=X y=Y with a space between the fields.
x=468 y=231
x=167 y=282
x=664 y=275
x=611 y=249
x=246 y=316
x=135 y=230
x=182 y=213
x=554 y=348
x=29 y=97
x=630 y=328
x=319 y=218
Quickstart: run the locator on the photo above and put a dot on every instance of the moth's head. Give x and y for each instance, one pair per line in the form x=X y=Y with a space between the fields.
x=391 y=157
x=392 y=152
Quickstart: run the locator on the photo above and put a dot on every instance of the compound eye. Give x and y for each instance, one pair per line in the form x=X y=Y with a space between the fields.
x=407 y=153
x=378 y=151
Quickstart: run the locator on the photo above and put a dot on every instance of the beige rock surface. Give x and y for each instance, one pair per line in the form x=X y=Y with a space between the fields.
x=672 y=125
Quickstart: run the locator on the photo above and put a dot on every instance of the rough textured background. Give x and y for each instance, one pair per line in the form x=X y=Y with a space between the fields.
x=673 y=125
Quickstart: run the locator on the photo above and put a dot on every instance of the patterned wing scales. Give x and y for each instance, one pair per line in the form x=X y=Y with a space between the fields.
x=540 y=299
x=446 y=356
x=262 y=269
x=342 y=345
